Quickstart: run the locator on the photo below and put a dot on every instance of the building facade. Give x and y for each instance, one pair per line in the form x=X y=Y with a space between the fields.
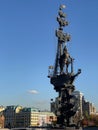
x=2 y=118
x=46 y=118
x=10 y=113
x=88 y=108
x=27 y=117
x=17 y=116
x=79 y=98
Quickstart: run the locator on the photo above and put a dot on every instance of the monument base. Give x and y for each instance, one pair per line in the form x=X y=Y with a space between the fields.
x=67 y=128
x=72 y=128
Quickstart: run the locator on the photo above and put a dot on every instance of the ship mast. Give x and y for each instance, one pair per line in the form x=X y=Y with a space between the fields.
x=62 y=58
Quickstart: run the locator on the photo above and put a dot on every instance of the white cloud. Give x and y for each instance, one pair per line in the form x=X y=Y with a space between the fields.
x=33 y=91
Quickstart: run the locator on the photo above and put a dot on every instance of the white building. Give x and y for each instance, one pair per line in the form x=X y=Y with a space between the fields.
x=79 y=97
x=46 y=118
x=88 y=108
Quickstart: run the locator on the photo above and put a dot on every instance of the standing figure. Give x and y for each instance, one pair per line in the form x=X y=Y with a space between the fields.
x=65 y=59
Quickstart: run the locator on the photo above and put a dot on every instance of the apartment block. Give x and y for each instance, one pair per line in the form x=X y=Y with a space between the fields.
x=79 y=101
x=88 y=108
x=46 y=118
x=10 y=113
x=17 y=116
x=27 y=117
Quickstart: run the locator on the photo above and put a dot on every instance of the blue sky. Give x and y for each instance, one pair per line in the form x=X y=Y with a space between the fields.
x=28 y=47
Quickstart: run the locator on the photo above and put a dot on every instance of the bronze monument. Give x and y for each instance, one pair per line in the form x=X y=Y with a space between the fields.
x=62 y=75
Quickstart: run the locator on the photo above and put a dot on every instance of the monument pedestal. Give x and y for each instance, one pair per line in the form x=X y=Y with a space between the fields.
x=73 y=128
x=67 y=128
